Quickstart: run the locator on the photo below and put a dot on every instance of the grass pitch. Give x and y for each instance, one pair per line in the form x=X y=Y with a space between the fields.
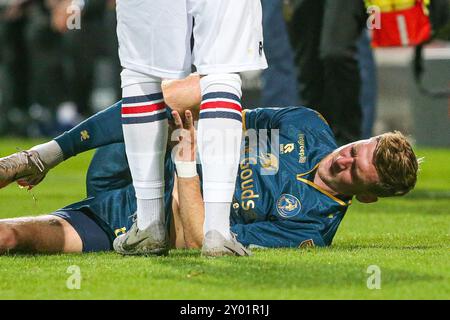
x=407 y=238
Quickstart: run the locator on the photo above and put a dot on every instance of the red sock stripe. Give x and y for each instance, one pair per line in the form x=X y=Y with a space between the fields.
x=220 y=104
x=144 y=109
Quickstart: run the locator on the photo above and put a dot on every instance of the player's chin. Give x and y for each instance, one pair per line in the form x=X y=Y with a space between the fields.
x=325 y=175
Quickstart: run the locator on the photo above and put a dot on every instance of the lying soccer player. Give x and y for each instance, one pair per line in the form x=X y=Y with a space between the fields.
x=297 y=198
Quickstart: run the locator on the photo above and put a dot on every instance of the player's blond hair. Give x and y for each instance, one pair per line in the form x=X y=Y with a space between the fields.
x=396 y=165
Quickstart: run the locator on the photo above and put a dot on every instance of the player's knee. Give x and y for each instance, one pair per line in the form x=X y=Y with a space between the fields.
x=9 y=239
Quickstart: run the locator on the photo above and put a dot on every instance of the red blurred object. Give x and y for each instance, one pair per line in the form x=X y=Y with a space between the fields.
x=408 y=27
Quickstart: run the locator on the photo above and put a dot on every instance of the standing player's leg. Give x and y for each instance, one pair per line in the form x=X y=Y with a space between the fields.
x=152 y=45
x=144 y=123
x=220 y=134
x=227 y=40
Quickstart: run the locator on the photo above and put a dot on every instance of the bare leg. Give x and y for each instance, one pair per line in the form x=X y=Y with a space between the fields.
x=43 y=234
x=176 y=227
x=183 y=94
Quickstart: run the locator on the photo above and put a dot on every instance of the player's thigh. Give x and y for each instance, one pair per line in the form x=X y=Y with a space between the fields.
x=154 y=37
x=44 y=234
x=228 y=35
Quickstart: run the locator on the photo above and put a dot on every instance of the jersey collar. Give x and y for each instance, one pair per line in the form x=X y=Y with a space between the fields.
x=302 y=178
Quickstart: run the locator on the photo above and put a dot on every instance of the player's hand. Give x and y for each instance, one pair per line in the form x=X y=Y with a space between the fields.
x=185 y=135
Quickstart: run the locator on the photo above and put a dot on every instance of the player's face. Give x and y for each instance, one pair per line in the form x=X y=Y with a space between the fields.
x=349 y=170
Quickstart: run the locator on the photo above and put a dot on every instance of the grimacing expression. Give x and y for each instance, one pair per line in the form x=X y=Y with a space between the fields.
x=349 y=170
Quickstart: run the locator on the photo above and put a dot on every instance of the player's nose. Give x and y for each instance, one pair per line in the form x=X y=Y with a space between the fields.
x=344 y=162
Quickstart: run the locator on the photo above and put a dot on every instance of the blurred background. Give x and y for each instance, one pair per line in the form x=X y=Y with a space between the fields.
x=59 y=64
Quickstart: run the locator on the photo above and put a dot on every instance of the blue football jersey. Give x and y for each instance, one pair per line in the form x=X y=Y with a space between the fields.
x=276 y=203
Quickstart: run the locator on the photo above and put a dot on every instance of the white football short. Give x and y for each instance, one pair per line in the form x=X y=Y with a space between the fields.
x=155 y=36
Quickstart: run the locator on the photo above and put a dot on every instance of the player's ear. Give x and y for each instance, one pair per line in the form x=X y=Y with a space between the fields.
x=367 y=197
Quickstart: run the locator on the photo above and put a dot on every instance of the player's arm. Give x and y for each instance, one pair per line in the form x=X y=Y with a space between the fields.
x=191 y=210
x=30 y=167
x=190 y=201
x=276 y=234
x=101 y=129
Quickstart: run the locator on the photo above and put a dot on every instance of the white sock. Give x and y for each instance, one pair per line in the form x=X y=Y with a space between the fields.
x=219 y=140
x=144 y=123
x=150 y=212
x=216 y=219
x=50 y=153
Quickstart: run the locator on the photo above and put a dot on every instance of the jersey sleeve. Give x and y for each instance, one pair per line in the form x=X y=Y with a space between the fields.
x=108 y=175
x=277 y=234
x=277 y=118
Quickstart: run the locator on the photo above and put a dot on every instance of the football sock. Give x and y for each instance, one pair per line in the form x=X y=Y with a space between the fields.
x=101 y=129
x=219 y=140
x=50 y=153
x=216 y=219
x=145 y=130
x=150 y=212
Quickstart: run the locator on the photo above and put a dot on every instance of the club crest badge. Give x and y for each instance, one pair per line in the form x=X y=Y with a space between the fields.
x=288 y=206
x=269 y=162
